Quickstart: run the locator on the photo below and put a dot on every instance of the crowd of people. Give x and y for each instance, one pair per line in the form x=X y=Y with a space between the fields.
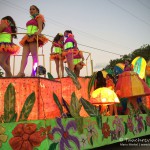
x=61 y=50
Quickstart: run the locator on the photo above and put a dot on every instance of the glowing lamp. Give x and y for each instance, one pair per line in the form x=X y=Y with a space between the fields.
x=104 y=96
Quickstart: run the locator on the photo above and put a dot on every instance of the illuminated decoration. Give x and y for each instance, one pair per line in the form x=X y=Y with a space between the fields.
x=130 y=84
x=147 y=74
x=44 y=106
x=119 y=67
x=139 y=65
x=104 y=96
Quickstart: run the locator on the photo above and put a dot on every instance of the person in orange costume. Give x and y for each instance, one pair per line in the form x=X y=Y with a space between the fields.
x=29 y=41
x=110 y=84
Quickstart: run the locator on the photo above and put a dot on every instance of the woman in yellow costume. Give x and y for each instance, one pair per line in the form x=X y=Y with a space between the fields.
x=57 y=46
x=29 y=41
x=7 y=47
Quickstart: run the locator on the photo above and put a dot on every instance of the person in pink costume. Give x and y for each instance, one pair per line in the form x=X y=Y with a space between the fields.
x=7 y=47
x=29 y=41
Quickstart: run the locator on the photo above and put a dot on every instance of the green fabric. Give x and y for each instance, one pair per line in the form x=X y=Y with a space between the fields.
x=58 y=50
x=5 y=37
x=76 y=61
x=31 y=29
x=68 y=45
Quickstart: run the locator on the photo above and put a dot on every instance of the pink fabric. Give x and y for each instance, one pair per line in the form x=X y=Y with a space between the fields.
x=32 y=22
x=8 y=30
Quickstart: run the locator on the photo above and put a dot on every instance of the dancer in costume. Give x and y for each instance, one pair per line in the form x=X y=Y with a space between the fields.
x=69 y=46
x=131 y=86
x=128 y=66
x=7 y=47
x=57 y=46
x=78 y=62
x=110 y=83
x=29 y=41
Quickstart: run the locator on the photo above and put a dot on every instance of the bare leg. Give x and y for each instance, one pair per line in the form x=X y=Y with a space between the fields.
x=3 y=63
x=24 y=60
x=133 y=101
x=34 y=53
x=77 y=69
x=62 y=67
x=8 y=64
x=111 y=107
x=70 y=61
x=57 y=67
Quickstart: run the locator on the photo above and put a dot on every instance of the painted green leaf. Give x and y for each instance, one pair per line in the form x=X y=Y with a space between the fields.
x=75 y=106
x=79 y=122
x=91 y=140
x=58 y=103
x=126 y=128
x=99 y=121
x=91 y=83
x=145 y=125
x=14 y=118
x=53 y=146
x=66 y=106
x=74 y=78
x=89 y=108
x=27 y=107
x=9 y=103
x=50 y=76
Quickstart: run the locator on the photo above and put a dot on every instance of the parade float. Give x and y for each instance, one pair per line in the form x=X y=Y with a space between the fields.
x=39 y=113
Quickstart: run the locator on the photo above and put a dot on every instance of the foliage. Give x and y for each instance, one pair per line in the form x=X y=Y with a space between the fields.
x=58 y=103
x=74 y=78
x=143 y=51
x=9 y=106
x=91 y=83
x=50 y=76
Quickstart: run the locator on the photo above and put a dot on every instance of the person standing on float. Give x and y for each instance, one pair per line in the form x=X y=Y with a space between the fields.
x=69 y=46
x=7 y=47
x=29 y=41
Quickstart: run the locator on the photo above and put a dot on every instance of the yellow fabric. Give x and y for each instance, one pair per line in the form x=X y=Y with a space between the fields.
x=5 y=37
x=137 y=86
x=31 y=29
x=76 y=61
x=68 y=45
x=58 y=50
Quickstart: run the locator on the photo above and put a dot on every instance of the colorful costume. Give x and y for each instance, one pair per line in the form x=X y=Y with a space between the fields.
x=130 y=85
x=110 y=84
x=32 y=27
x=77 y=58
x=58 y=48
x=6 y=44
x=69 y=48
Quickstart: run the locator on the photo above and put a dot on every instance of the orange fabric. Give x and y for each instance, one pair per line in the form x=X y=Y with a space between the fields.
x=41 y=17
x=10 y=48
x=56 y=56
x=41 y=39
x=130 y=85
x=110 y=83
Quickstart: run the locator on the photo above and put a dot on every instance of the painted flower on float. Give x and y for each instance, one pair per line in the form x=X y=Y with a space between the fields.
x=64 y=133
x=130 y=125
x=26 y=137
x=119 y=126
x=148 y=120
x=3 y=137
x=106 y=130
x=92 y=132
